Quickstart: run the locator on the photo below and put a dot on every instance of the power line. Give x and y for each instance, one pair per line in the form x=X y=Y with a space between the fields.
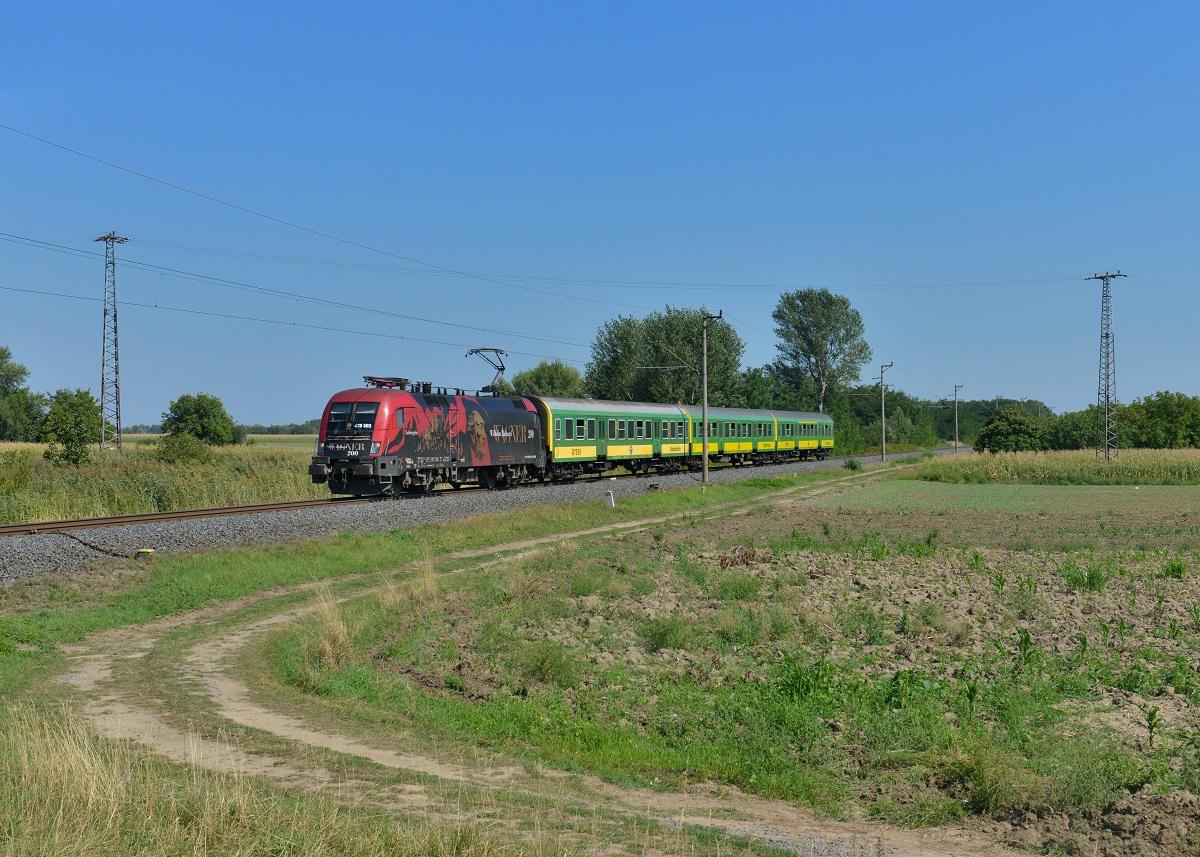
x=309 y=229
x=234 y=284
x=320 y=327
x=584 y=281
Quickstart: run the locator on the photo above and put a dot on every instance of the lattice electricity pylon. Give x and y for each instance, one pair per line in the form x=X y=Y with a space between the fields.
x=110 y=371
x=1107 y=444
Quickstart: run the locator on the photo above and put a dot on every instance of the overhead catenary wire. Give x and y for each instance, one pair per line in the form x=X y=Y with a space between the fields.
x=584 y=281
x=277 y=322
x=310 y=230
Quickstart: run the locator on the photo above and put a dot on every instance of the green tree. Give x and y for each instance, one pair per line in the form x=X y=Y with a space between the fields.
x=71 y=427
x=1164 y=420
x=635 y=359
x=21 y=411
x=203 y=417
x=21 y=415
x=12 y=375
x=821 y=337
x=549 y=378
x=1073 y=430
x=1012 y=430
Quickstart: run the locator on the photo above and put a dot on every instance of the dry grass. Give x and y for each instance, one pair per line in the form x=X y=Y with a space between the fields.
x=66 y=791
x=135 y=481
x=1132 y=466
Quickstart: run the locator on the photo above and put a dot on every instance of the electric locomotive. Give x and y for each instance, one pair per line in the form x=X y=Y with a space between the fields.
x=394 y=436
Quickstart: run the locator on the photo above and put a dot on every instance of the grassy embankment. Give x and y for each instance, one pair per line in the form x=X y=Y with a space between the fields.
x=67 y=791
x=269 y=470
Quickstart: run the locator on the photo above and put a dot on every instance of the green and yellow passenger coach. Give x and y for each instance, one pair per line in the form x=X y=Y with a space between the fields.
x=591 y=436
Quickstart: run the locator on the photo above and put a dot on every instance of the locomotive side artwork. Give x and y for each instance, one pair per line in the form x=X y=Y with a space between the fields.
x=394 y=436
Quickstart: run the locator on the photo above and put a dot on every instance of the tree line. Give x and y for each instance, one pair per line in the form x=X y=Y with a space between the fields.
x=69 y=421
x=821 y=352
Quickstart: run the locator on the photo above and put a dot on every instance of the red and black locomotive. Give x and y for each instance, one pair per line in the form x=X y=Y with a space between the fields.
x=393 y=436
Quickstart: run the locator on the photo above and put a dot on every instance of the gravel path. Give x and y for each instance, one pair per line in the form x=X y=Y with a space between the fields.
x=34 y=556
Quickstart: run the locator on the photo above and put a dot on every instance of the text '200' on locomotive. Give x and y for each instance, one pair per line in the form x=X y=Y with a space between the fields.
x=393 y=436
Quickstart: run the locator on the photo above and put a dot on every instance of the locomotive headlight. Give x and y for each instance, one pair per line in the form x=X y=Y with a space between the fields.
x=320 y=447
x=375 y=448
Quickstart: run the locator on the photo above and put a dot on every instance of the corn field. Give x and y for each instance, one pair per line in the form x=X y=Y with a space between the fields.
x=1131 y=467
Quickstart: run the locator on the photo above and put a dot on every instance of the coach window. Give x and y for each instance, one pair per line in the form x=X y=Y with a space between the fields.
x=558 y=429
x=612 y=429
x=570 y=429
x=591 y=427
x=640 y=428
x=579 y=429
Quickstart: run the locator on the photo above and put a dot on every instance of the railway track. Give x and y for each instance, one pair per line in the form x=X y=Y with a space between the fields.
x=44 y=527
x=49 y=527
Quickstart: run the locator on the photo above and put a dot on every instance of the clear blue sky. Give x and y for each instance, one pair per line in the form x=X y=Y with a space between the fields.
x=838 y=145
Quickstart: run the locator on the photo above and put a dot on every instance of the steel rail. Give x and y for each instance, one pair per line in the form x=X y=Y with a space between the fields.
x=45 y=527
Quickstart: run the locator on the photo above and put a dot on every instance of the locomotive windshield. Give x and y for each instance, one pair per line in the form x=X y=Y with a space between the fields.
x=351 y=419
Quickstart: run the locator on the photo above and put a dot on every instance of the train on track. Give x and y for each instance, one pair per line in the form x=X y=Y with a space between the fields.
x=393 y=436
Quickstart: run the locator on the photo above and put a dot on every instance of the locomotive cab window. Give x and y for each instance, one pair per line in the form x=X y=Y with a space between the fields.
x=348 y=419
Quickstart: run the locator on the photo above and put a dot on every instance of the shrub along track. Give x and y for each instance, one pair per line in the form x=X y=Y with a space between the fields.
x=212 y=705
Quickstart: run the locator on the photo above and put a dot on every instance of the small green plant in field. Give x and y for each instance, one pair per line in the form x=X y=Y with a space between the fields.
x=976 y=561
x=1091 y=579
x=865 y=624
x=547 y=662
x=1081 y=649
x=1026 y=651
x=1173 y=629
x=1106 y=629
x=998 y=580
x=582 y=585
x=738 y=587
x=798 y=682
x=1194 y=615
x=971 y=694
x=852 y=464
x=1176 y=569
x=667 y=632
x=1153 y=722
